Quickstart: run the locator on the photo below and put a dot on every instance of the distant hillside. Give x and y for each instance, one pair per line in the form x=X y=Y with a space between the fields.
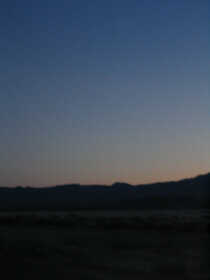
x=185 y=194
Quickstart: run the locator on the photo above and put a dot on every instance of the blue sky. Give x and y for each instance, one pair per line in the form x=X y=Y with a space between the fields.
x=103 y=91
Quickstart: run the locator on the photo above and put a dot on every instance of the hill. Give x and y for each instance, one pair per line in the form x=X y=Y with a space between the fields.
x=191 y=193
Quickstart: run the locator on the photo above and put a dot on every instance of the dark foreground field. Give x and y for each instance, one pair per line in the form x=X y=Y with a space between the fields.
x=74 y=247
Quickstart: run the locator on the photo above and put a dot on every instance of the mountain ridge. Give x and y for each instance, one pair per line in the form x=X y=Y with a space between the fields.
x=182 y=194
x=205 y=175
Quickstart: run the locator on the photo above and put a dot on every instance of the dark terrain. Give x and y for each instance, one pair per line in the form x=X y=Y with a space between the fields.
x=63 y=232
x=185 y=194
x=78 y=247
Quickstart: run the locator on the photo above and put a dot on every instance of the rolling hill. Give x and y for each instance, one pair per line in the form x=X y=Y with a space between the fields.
x=191 y=193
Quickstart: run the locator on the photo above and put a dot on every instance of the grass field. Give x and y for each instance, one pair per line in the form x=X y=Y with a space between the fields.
x=75 y=246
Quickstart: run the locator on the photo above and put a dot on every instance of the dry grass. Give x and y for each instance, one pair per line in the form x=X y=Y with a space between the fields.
x=74 y=247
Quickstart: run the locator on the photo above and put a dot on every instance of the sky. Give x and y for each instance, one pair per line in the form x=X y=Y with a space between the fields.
x=95 y=91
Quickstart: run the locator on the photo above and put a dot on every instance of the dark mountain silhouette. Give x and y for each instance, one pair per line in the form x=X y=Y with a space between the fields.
x=185 y=194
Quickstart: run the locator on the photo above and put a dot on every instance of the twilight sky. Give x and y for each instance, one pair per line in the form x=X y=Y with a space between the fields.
x=95 y=91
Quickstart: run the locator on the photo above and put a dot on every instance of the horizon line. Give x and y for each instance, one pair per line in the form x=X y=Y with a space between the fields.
x=109 y=185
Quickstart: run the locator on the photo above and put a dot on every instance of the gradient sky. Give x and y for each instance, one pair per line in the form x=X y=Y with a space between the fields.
x=95 y=91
